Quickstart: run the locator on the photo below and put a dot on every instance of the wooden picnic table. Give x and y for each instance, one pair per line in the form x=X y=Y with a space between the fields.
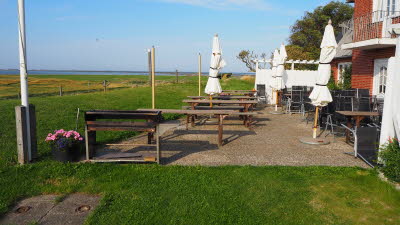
x=151 y=126
x=248 y=104
x=220 y=114
x=358 y=116
x=225 y=97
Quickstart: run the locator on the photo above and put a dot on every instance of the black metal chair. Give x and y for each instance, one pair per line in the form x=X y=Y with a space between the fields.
x=261 y=94
x=365 y=144
x=296 y=103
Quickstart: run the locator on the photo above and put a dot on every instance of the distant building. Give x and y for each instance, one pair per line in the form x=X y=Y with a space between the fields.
x=369 y=38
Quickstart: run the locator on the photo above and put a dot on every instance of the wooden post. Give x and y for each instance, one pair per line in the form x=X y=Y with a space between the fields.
x=22 y=138
x=105 y=85
x=177 y=76
x=150 y=67
x=199 y=74
x=153 y=83
x=22 y=141
x=315 y=122
x=61 y=90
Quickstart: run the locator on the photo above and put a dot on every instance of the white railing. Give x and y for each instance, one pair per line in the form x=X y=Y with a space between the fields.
x=370 y=26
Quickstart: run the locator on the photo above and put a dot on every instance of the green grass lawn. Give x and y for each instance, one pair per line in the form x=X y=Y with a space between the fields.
x=151 y=194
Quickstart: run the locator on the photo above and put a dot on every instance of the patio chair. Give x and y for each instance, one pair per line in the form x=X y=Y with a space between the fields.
x=261 y=94
x=361 y=104
x=365 y=144
x=296 y=104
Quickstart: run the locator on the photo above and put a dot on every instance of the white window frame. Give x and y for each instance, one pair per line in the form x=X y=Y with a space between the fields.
x=340 y=71
x=385 y=9
x=378 y=64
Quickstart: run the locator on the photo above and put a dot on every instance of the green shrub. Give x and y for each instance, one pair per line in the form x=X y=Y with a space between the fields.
x=345 y=85
x=390 y=155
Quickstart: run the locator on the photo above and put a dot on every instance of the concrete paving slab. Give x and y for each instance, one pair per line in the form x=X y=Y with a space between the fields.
x=44 y=209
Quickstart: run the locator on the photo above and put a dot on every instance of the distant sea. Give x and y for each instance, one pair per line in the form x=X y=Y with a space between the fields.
x=83 y=72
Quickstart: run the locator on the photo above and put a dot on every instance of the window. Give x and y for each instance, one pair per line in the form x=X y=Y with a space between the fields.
x=382 y=80
x=341 y=68
x=384 y=8
x=380 y=77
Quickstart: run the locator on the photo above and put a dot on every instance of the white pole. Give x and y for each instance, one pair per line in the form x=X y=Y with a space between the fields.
x=23 y=70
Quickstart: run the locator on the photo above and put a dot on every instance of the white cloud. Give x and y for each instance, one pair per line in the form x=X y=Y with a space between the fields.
x=224 y=4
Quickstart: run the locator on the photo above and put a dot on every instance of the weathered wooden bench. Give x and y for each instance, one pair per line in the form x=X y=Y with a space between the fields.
x=247 y=104
x=225 y=97
x=149 y=125
x=220 y=114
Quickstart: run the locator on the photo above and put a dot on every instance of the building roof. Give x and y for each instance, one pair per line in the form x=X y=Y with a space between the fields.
x=340 y=53
x=349 y=1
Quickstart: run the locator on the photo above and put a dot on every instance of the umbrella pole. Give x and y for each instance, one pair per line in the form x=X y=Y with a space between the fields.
x=315 y=122
x=276 y=101
x=211 y=105
x=199 y=74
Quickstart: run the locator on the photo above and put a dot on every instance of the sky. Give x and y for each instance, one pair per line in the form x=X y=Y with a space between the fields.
x=115 y=35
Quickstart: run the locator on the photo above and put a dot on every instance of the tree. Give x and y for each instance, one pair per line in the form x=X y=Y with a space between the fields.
x=307 y=32
x=248 y=57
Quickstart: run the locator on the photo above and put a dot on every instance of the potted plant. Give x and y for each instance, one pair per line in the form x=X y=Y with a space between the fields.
x=65 y=145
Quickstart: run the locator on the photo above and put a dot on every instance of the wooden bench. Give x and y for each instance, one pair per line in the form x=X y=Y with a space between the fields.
x=216 y=107
x=150 y=126
x=220 y=114
x=225 y=97
x=250 y=93
x=247 y=104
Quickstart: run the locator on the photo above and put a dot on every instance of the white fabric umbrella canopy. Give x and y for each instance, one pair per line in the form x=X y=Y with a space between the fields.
x=320 y=96
x=275 y=63
x=391 y=109
x=388 y=125
x=213 y=86
x=280 y=71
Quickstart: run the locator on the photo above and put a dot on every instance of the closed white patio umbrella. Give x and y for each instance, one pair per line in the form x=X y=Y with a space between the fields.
x=276 y=82
x=391 y=110
x=321 y=96
x=213 y=86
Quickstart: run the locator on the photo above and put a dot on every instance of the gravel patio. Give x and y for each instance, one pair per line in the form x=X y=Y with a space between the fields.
x=272 y=140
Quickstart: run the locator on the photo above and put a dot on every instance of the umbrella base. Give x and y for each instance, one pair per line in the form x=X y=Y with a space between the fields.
x=276 y=112
x=314 y=141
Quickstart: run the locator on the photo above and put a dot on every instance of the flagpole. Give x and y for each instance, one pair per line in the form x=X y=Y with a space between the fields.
x=23 y=72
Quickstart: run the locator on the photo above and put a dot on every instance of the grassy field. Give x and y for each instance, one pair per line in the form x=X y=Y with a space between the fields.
x=42 y=85
x=151 y=194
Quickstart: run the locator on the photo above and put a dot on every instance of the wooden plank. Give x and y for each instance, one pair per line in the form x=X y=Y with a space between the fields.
x=358 y=113
x=122 y=123
x=221 y=101
x=150 y=145
x=196 y=112
x=223 y=97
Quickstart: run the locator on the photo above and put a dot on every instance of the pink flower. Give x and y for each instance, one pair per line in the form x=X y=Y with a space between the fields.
x=81 y=139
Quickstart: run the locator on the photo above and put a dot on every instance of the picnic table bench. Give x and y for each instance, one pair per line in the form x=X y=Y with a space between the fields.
x=149 y=122
x=248 y=104
x=225 y=97
x=220 y=114
x=239 y=92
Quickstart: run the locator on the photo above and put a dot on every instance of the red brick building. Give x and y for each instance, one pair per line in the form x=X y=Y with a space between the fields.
x=370 y=38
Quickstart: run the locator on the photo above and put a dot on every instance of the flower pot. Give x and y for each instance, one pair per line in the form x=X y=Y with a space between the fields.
x=66 y=155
